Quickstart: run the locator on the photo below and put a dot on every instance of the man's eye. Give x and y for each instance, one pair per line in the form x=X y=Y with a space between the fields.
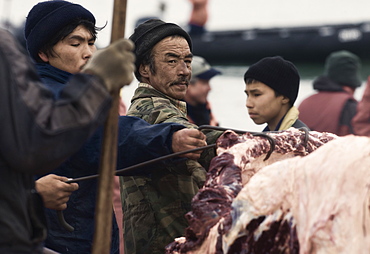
x=91 y=43
x=75 y=45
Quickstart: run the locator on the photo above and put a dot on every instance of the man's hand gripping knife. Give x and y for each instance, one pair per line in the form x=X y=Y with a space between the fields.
x=187 y=139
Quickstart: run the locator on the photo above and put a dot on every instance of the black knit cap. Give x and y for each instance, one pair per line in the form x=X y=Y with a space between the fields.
x=152 y=31
x=277 y=73
x=45 y=20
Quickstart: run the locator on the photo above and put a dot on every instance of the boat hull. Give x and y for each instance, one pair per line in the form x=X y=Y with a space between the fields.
x=298 y=44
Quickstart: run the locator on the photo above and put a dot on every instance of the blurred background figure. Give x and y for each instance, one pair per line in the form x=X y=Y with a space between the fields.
x=198 y=107
x=361 y=121
x=332 y=108
x=198 y=17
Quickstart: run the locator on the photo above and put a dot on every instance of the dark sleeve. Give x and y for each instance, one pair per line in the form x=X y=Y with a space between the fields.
x=138 y=141
x=36 y=132
x=299 y=124
x=348 y=112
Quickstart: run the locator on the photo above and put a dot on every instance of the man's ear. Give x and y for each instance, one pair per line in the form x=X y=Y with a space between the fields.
x=144 y=70
x=43 y=57
x=285 y=100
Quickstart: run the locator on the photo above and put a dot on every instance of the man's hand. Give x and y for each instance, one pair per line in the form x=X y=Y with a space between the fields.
x=187 y=139
x=54 y=191
x=114 y=64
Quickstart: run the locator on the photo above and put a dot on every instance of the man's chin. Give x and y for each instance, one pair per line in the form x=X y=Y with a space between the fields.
x=178 y=96
x=258 y=122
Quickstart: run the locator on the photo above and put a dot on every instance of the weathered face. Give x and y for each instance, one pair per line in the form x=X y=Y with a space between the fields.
x=263 y=105
x=73 y=52
x=198 y=91
x=172 y=60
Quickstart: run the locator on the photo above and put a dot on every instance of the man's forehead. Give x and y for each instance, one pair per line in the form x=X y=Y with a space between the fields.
x=80 y=32
x=172 y=44
x=256 y=85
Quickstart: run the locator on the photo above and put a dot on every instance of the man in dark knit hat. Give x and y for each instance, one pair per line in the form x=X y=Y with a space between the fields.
x=155 y=203
x=332 y=108
x=271 y=86
x=39 y=133
x=61 y=39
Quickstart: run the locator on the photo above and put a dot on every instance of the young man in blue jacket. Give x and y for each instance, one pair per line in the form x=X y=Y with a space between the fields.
x=61 y=39
x=37 y=133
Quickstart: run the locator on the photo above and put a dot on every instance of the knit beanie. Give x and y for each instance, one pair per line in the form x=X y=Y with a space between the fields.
x=47 y=18
x=277 y=73
x=343 y=67
x=149 y=33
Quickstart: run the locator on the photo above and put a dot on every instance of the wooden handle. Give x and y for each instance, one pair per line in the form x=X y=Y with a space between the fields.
x=119 y=20
x=108 y=162
x=104 y=206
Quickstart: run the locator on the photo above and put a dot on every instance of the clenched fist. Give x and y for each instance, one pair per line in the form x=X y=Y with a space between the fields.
x=54 y=191
x=114 y=64
x=187 y=139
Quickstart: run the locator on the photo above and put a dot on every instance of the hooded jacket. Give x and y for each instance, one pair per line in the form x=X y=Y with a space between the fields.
x=329 y=110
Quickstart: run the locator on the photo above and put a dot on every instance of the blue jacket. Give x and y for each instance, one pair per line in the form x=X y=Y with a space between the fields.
x=138 y=142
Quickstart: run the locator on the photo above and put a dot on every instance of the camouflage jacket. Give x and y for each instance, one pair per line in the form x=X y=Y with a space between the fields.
x=155 y=204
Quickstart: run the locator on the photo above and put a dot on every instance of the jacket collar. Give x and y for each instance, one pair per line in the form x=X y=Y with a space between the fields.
x=181 y=105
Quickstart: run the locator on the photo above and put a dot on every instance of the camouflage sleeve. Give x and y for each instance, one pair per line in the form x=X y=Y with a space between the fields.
x=156 y=110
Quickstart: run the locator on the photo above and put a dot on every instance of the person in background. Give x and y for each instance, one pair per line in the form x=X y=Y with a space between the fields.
x=332 y=108
x=38 y=133
x=60 y=38
x=198 y=107
x=156 y=201
x=271 y=86
x=198 y=17
x=361 y=120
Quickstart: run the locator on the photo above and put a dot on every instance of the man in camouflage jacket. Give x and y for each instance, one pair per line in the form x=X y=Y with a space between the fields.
x=155 y=202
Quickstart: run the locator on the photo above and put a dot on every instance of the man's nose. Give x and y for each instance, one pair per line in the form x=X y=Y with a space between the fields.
x=184 y=68
x=249 y=103
x=88 y=52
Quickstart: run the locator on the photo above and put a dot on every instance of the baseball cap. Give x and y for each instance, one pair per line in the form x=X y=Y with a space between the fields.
x=202 y=69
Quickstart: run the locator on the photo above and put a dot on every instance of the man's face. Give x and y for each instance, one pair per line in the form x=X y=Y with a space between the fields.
x=73 y=52
x=263 y=105
x=172 y=60
x=198 y=91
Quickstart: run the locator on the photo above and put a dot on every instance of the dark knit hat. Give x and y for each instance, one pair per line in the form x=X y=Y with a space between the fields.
x=152 y=31
x=277 y=73
x=343 y=67
x=46 y=19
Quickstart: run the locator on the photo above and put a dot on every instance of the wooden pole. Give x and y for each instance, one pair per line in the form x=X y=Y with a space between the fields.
x=108 y=162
